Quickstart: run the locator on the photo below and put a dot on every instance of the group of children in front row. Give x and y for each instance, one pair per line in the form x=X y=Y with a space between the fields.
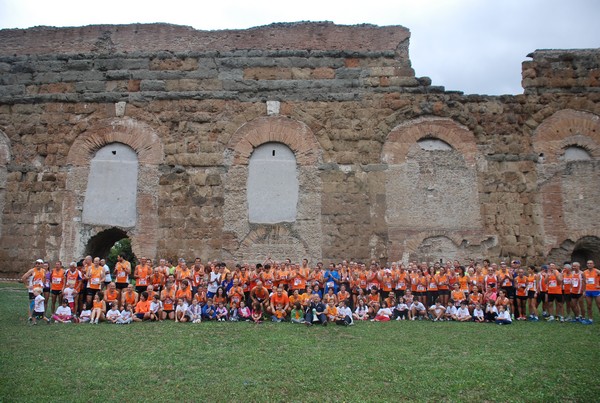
x=315 y=311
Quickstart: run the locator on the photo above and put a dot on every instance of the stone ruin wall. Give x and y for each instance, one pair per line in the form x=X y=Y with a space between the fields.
x=194 y=104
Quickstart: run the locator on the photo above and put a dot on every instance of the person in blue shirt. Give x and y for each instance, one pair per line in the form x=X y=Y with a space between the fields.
x=331 y=278
x=209 y=311
x=315 y=311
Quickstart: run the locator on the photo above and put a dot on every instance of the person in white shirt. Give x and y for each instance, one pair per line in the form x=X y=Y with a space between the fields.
x=437 y=311
x=194 y=312
x=86 y=314
x=478 y=315
x=63 y=313
x=503 y=316
x=417 y=309
x=155 y=308
x=362 y=311
x=344 y=315
x=69 y=294
x=384 y=313
x=462 y=314
x=126 y=315
x=38 y=306
x=107 y=276
x=401 y=310
x=450 y=313
x=113 y=313
x=491 y=312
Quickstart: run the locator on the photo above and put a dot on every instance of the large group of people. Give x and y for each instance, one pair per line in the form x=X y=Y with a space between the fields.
x=88 y=291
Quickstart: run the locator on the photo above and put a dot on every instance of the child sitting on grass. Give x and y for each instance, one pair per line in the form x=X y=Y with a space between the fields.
x=126 y=315
x=503 y=316
x=401 y=310
x=478 y=315
x=279 y=315
x=244 y=311
x=86 y=314
x=194 y=312
x=156 y=308
x=113 y=313
x=257 y=312
x=221 y=312
x=384 y=313
x=297 y=315
x=98 y=308
x=63 y=313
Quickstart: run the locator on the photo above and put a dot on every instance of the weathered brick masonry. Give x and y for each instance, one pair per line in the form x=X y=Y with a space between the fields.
x=510 y=176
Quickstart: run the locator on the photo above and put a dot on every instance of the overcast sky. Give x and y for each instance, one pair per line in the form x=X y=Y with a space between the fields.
x=474 y=46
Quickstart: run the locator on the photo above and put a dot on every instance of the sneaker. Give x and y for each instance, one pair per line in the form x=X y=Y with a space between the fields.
x=562 y=320
x=586 y=322
x=550 y=318
x=545 y=314
x=398 y=318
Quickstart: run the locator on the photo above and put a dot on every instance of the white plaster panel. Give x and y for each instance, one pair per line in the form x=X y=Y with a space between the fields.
x=272 y=187
x=110 y=197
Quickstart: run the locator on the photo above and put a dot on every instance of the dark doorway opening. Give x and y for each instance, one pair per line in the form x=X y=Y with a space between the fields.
x=587 y=248
x=100 y=244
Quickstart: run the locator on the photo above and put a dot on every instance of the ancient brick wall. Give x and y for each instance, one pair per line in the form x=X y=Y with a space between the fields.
x=345 y=100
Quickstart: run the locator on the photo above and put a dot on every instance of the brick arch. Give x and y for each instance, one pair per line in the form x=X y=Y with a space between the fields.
x=290 y=132
x=405 y=135
x=139 y=136
x=566 y=128
x=149 y=149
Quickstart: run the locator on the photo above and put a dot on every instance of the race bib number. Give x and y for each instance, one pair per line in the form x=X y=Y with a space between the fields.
x=420 y=288
x=297 y=281
x=575 y=282
x=330 y=284
x=56 y=280
x=432 y=285
x=143 y=281
x=552 y=283
x=590 y=280
x=95 y=281
x=401 y=284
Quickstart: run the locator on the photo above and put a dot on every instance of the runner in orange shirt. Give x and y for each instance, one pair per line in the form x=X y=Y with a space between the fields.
x=57 y=283
x=555 y=297
x=591 y=289
x=521 y=293
x=167 y=296
x=142 y=276
x=577 y=281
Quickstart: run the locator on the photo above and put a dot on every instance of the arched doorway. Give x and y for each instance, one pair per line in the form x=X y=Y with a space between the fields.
x=100 y=244
x=587 y=248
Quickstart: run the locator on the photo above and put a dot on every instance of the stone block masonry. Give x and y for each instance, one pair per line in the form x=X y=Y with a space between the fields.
x=192 y=105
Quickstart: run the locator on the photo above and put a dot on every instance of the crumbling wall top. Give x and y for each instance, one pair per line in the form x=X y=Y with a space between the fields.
x=177 y=38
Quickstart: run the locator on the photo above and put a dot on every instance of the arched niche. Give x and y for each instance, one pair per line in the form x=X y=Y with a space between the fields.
x=272 y=189
x=252 y=172
x=147 y=146
x=568 y=175
x=431 y=182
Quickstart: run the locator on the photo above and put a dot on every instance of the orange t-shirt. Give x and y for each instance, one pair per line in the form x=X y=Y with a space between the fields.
x=57 y=280
x=96 y=276
x=185 y=294
x=168 y=298
x=143 y=275
x=521 y=286
x=142 y=307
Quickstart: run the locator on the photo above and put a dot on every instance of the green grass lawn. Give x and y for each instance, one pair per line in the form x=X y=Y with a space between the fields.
x=395 y=361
